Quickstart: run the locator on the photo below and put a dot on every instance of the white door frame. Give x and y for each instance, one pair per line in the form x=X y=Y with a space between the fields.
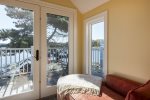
x=33 y=94
x=87 y=41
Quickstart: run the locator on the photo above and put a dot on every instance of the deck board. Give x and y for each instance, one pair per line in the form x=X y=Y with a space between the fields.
x=22 y=82
x=16 y=85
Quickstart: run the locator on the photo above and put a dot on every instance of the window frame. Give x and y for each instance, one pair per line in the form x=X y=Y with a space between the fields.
x=87 y=41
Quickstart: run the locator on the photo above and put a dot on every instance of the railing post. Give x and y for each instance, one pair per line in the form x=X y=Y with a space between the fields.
x=27 y=70
x=32 y=59
x=23 y=64
x=1 y=61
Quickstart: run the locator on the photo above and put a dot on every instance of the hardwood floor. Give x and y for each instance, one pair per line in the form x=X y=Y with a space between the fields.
x=52 y=97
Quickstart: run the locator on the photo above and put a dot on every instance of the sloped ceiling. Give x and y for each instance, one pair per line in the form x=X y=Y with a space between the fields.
x=87 y=5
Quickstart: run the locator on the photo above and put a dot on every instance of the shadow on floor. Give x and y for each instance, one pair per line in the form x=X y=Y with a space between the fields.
x=52 y=97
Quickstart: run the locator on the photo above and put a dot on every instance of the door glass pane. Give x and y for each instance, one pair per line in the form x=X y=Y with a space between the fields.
x=57 y=47
x=97 y=51
x=16 y=48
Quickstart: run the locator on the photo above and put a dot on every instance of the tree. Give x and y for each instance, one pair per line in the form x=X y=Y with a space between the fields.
x=96 y=43
x=58 y=23
x=22 y=35
x=60 y=29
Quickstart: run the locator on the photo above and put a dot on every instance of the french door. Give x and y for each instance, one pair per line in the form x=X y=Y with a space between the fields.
x=36 y=48
x=19 y=41
x=56 y=48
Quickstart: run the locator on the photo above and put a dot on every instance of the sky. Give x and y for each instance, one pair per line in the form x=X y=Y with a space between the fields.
x=98 y=31
x=5 y=22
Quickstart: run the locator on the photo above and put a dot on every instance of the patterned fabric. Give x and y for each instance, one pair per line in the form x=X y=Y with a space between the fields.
x=78 y=83
x=115 y=88
x=107 y=94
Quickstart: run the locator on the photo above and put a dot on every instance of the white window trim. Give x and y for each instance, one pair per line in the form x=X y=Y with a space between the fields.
x=87 y=41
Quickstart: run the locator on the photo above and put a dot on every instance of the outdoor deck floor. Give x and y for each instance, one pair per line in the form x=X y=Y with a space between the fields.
x=16 y=85
x=55 y=70
x=23 y=83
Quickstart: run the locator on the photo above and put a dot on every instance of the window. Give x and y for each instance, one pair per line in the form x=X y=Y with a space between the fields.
x=95 y=60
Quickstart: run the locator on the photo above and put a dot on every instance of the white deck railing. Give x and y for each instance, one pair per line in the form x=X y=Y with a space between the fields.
x=15 y=61
x=19 y=60
x=58 y=55
x=97 y=56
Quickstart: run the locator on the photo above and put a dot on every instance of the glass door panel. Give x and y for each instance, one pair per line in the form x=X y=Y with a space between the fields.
x=57 y=47
x=17 y=44
x=97 y=48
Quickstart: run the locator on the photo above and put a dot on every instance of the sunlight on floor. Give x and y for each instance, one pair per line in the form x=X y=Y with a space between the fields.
x=16 y=85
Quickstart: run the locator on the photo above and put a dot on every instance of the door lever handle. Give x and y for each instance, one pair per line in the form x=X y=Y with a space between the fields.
x=37 y=55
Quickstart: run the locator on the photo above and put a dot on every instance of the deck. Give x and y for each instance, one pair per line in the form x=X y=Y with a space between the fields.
x=24 y=82
x=15 y=85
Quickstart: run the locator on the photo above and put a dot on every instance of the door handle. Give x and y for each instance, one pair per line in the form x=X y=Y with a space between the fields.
x=37 y=55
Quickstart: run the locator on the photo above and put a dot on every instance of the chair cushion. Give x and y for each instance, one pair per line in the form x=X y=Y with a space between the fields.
x=144 y=90
x=80 y=96
x=120 y=85
x=107 y=94
x=140 y=93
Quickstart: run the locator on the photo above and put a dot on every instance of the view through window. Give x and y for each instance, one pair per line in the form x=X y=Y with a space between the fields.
x=16 y=48
x=97 y=52
x=58 y=49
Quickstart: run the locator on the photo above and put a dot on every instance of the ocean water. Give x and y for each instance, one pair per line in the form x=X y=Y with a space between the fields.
x=7 y=60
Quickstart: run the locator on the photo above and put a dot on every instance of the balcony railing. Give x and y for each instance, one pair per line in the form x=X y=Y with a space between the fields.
x=97 y=61
x=57 y=64
x=58 y=55
x=15 y=61
x=16 y=68
x=19 y=60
